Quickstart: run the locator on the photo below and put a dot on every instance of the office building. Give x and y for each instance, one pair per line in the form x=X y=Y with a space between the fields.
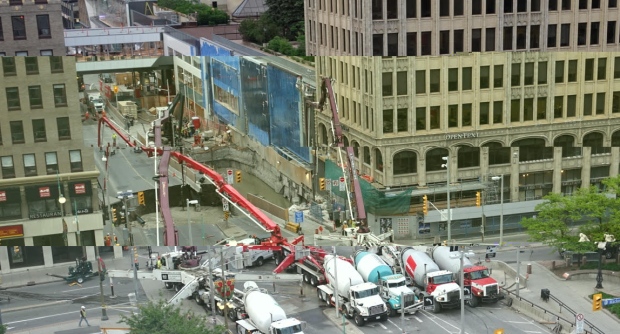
x=444 y=27
x=48 y=178
x=31 y=28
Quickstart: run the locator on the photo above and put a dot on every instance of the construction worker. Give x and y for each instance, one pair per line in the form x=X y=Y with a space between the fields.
x=114 y=139
x=107 y=240
x=344 y=227
x=159 y=262
x=115 y=239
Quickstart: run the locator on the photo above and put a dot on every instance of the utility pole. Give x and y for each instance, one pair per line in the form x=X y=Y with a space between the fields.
x=222 y=266
x=336 y=297
x=211 y=287
x=135 y=271
x=104 y=313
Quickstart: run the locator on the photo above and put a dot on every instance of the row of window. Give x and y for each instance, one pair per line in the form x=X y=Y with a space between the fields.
x=35 y=96
x=521 y=110
x=18 y=26
x=30 y=164
x=9 y=67
x=39 y=130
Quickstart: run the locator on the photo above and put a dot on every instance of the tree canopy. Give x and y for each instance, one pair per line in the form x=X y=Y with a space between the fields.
x=206 y=15
x=160 y=318
x=2 y=329
x=560 y=219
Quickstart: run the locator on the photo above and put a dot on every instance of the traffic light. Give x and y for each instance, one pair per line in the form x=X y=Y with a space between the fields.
x=322 y=183
x=425 y=206
x=115 y=89
x=141 y=198
x=499 y=331
x=238 y=176
x=478 y=200
x=114 y=216
x=226 y=215
x=597 y=302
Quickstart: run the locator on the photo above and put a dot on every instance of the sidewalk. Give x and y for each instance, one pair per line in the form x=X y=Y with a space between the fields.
x=70 y=327
x=572 y=293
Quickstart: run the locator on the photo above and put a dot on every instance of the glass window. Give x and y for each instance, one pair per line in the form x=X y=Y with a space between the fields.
x=466 y=112
x=611 y=32
x=17 y=132
x=34 y=94
x=498 y=76
x=508 y=6
x=571 y=106
x=594 y=32
x=426 y=43
x=515 y=78
x=458 y=8
x=435 y=117
x=32 y=65
x=498 y=112
x=43 y=26
x=542 y=72
x=459 y=37
x=60 y=95
x=420 y=118
x=51 y=163
x=534 y=36
x=616 y=67
x=587 y=104
x=565 y=35
x=420 y=82
x=56 y=64
x=521 y=6
x=515 y=110
x=551 y=35
x=392 y=44
x=529 y=74
x=377 y=9
x=572 y=70
x=484 y=113
x=435 y=76
x=600 y=103
x=444 y=42
x=444 y=7
x=401 y=119
x=466 y=80
x=541 y=109
x=553 y=4
x=75 y=156
x=425 y=8
x=453 y=116
x=490 y=40
x=589 y=70
x=8 y=170
x=411 y=9
x=507 y=38
x=559 y=71
x=38 y=129
x=392 y=9
x=8 y=66
x=64 y=130
x=528 y=109
x=582 y=30
x=388 y=121
x=476 y=7
x=387 y=84
x=615 y=105
x=30 y=165
x=521 y=37
x=612 y=3
x=490 y=7
x=453 y=79
x=377 y=44
x=535 y=5
x=19 y=27
x=476 y=40
x=566 y=4
x=412 y=48
x=484 y=77
x=558 y=107
x=601 y=69
x=401 y=83
x=583 y=4
x=12 y=98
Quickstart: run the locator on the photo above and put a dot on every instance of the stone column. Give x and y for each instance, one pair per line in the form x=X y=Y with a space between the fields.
x=90 y=253
x=557 y=169
x=514 y=175
x=421 y=171
x=615 y=161
x=586 y=160
x=484 y=163
x=48 y=259
x=4 y=260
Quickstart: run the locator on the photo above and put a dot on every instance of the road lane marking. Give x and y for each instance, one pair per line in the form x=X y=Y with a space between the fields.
x=94 y=294
x=531 y=332
x=518 y=322
x=417 y=318
x=400 y=329
x=382 y=326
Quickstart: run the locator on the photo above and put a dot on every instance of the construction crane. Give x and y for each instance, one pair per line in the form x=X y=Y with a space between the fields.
x=276 y=240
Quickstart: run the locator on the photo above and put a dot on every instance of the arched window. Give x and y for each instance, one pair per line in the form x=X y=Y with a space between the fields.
x=323 y=135
x=378 y=160
x=595 y=141
x=434 y=159
x=533 y=149
x=405 y=162
x=498 y=154
x=615 y=139
x=567 y=143
x=367 y=155
x=468 y=157
x=356 y=149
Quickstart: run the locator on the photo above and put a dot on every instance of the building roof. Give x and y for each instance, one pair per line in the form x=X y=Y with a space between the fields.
x=250 y=8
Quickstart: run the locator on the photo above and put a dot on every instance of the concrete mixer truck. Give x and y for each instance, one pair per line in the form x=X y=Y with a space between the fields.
x=433 y=282
x=357 y=299
x=477 y=279
x=264 y=315
x=391 y=286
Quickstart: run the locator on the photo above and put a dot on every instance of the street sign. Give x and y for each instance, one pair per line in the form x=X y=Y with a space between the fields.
x=299 y=217
x=334 y=183
x=579 y=323
x=225 y=205
x=229 y=177
x=428 y=301
x=611 y=301
x=342 y=187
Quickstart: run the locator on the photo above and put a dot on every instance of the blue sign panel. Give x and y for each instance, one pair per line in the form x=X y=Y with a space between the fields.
x=611 y=301
x=299 y=217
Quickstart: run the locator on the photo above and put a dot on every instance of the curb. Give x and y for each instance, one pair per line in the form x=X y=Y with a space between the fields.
x=350 y=327
x=25 y=285
x=20 y=308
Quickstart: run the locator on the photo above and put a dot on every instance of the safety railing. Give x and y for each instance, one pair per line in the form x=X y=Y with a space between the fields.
x=590 y=330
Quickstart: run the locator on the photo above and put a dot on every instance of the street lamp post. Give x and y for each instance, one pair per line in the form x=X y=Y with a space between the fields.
x=104 y=313
x=124 y=196
x=447 y=167
x=62 y=200
x=460 y=255
x=599 y=274
x=501 y=213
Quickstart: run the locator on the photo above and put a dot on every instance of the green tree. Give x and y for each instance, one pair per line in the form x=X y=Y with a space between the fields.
x=301 y=45
x=160 y=318
x=282 y=45
x=2 y=329
x=258 y=31
x=287 y=14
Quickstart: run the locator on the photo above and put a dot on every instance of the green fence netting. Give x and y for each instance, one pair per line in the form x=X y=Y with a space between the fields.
x=375 y=201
